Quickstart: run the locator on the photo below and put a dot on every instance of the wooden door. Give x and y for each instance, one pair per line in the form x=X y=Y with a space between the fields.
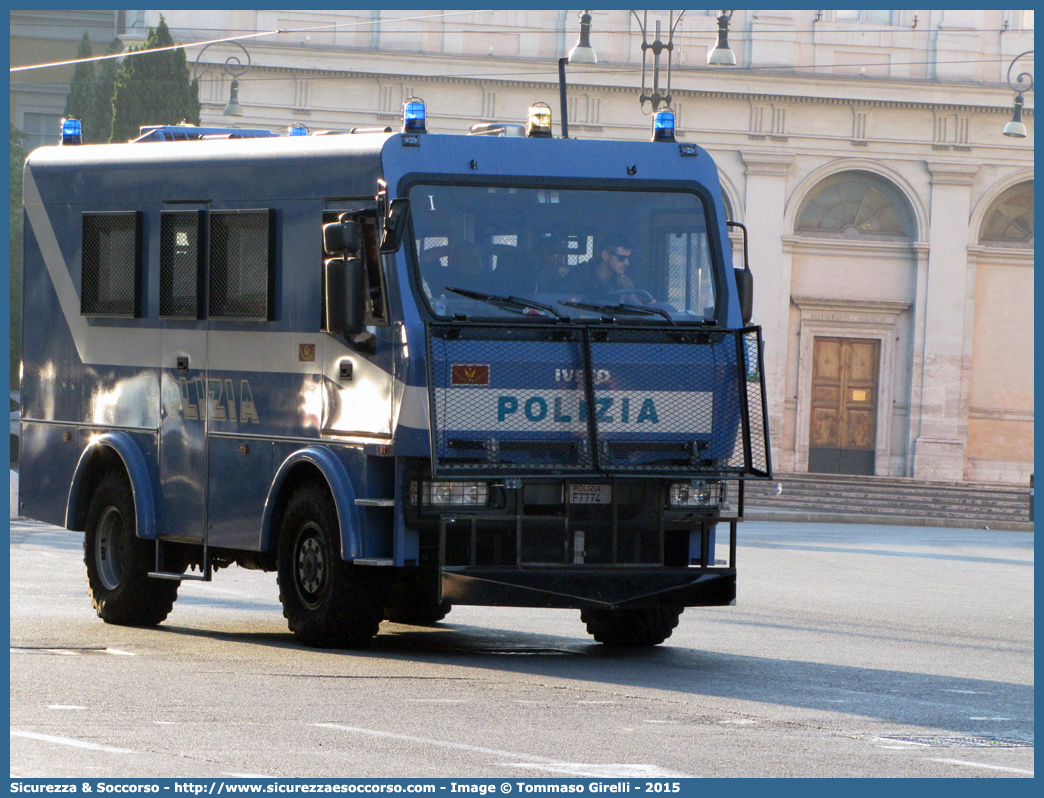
x=843 y=422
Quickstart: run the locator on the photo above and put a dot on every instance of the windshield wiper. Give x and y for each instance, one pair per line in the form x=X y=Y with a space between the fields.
x=623 y=308
x=513 y=304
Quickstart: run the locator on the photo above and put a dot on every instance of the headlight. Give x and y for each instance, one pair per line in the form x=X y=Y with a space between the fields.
x=446 y=494
x=694 y=493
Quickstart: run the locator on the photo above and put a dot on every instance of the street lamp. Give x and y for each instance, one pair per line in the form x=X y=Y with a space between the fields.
x=721 y=55
x=234 y=68
x=1015 y=128
x=582 y=53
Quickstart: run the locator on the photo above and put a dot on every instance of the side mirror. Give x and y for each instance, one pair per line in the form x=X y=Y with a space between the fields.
x=342 y=236
x=745 y=293
x=395 y=225
x=344 y=276
x=345 y=300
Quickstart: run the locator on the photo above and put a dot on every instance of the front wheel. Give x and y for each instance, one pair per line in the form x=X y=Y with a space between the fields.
x=118 y=561
x=638 y=627
x=327 y=602
x=412 y=601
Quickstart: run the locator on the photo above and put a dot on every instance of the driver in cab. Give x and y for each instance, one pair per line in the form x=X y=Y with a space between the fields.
x=607 y=280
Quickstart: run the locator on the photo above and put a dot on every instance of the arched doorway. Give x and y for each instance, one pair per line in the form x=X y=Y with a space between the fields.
x=851 y=287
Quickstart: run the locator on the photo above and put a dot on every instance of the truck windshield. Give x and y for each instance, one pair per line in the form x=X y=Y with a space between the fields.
x=596 y=247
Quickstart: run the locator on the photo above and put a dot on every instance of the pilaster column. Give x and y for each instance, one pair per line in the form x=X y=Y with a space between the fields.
x=939 y=447
x=765 y=203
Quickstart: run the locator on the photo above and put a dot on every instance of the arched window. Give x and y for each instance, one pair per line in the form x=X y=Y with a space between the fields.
x=1009 y=223
x=856 y=205
x=728 y=205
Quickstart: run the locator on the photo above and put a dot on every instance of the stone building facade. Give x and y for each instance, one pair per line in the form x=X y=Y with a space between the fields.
x=891 y=222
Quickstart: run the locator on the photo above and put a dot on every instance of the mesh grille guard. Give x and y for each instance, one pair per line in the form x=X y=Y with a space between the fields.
x=515 y=400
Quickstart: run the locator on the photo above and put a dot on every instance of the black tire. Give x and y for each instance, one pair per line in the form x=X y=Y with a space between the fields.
x=641 y=627
x=118 y=561
x=327 y=602
x=411 y=604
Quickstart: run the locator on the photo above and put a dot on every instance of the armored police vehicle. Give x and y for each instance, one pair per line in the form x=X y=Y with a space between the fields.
x=403 y=370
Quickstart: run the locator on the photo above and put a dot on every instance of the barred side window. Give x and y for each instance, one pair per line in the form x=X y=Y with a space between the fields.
x=111 y=264
x=181 y=264
x=240 y=264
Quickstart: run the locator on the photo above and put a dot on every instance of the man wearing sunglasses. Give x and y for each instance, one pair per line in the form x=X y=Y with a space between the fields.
x=608 y=279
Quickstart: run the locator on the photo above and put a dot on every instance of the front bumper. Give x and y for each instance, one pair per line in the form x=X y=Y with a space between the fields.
x=590 y=588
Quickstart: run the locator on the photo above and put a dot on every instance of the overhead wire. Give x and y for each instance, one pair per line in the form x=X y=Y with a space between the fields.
x=273 y=32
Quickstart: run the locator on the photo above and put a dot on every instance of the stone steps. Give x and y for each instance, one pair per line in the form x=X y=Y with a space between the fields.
x=886 y=500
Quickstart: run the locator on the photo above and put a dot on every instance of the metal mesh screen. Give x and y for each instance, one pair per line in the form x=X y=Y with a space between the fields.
x=181 y=261
x=111 y=264
x=664 y=401
x=677 y=402
x=508 y=401
x=757 y=407
x=240 y=264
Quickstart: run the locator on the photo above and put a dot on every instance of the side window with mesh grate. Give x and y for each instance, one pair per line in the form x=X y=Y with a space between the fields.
x=240 y=264
x=111 y=264
x=181 y=264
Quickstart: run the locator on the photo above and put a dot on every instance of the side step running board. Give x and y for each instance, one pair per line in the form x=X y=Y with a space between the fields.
x=189 y=577
x=159 y=573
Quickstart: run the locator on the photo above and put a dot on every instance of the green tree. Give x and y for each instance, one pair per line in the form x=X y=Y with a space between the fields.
x=80 y=99
x=100 y=120
x=153 y=89
x=17 y=162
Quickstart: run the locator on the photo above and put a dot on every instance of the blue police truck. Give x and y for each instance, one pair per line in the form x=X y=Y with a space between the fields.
x=402 y=370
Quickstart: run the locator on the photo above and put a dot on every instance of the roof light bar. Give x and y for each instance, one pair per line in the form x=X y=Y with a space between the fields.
x=663 y=125
x=151 y=133
x=297 y=130
x=539 y=123
x=414 y=116
x=72 y=131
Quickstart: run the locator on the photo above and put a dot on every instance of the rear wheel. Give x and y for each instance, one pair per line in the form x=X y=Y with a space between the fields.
x=118 y=561
x=637 y=627
x=327 y=602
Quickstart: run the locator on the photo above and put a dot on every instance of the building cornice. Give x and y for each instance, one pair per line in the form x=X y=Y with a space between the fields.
x=761 y=162
x=678 y=92
x=847 y=248
x=808 y=304
x=953 y=173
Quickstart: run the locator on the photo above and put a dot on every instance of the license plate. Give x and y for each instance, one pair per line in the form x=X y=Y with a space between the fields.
x=590 y=494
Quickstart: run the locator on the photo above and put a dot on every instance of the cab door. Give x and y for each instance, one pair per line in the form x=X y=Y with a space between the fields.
x=358 y=374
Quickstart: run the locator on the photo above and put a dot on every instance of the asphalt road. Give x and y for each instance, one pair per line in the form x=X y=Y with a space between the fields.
x=853 y=651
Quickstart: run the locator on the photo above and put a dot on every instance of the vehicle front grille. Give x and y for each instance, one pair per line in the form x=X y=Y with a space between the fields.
x=541 y=527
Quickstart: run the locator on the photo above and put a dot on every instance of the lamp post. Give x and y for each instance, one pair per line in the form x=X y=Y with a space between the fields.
x=1015 y=128
x=657 y=98
x=582 y=53
x=234 y=68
